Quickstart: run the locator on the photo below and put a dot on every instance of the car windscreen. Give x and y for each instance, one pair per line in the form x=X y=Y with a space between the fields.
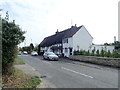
x=50 y=53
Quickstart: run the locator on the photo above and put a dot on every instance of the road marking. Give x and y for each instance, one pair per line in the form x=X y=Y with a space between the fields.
x=46 y=62
x=76 y=72
x=33 y=69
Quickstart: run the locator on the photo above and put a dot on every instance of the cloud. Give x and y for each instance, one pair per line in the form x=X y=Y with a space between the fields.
x=41 y=18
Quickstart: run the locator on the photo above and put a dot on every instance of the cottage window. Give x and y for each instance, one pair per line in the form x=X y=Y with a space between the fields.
x=65 y=40
x=66 y=50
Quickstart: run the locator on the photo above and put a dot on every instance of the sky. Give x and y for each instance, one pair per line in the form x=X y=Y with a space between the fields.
x=42 y=18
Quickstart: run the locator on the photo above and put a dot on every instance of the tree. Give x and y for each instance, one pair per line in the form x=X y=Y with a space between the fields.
x=36 y=47
x=12 y=35
x=31 y=47
x=106 y=44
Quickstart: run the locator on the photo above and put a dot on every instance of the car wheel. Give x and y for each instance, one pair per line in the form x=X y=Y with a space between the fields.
x=44 y=58
x=48 y=58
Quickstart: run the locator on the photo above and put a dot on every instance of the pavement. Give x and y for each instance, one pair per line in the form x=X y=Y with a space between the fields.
x=26 y=68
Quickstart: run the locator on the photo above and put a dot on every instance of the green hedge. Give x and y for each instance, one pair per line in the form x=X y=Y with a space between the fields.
x=98 y=53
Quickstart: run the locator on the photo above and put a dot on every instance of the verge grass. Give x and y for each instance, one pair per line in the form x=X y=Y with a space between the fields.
x=18 y=60
x=20 y=80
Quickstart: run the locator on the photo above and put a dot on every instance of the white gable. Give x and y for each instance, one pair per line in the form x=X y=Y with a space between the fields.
x=82 y=39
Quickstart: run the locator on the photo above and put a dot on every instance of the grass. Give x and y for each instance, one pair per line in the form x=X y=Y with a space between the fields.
x=20 y=80
x=18 y=60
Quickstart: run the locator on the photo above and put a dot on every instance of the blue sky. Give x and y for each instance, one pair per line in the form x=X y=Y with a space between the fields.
x=41 y=18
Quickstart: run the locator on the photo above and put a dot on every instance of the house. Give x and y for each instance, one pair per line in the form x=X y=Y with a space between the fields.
x=104 y=47
x=66 y=41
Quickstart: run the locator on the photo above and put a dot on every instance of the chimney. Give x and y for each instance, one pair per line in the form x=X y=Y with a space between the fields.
x=75 y=25
x=14 y=21
x=57 y=31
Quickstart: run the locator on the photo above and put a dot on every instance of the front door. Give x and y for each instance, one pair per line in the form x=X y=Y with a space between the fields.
x=70 y=51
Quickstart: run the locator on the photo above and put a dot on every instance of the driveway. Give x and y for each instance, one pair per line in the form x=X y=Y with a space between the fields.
x=66 y=73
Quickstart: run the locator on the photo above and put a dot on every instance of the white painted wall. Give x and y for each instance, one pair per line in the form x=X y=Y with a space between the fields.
x=100 y=47
x=82 y=39
x=119 y=35
x=67 y=45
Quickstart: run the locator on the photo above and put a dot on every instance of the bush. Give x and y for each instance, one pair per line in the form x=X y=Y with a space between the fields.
x=97 y=53
x=102 y=53
x=76 y=52
x=115 y=54
x=82 y=52
x=87 y=53
x=108 y=54
x=93 y=52
x=11 y=37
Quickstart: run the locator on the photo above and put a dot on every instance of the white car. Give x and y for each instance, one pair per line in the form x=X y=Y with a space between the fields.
x=50 y=56
x=34 y=53
x=19 y=53
x=25 y=52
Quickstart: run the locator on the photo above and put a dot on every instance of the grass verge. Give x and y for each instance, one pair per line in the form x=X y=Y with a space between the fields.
x=20 y=80
x=18 y=60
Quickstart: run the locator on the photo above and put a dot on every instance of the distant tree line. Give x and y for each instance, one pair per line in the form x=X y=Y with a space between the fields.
x=29 y=49
x=116 y=44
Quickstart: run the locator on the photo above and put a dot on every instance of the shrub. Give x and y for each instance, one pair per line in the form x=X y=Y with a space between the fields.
x=93 y=52
x=87 y=53
x=82 y=52
x=97 y=53
x=76 y=52
x=11 y=37
x=115 y=54
x=108 y=54
x=102 y=53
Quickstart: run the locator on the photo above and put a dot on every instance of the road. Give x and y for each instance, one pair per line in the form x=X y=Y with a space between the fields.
x=73 y=74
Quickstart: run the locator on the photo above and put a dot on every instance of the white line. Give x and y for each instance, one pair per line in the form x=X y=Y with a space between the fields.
x=77 y=72
x=33 y=69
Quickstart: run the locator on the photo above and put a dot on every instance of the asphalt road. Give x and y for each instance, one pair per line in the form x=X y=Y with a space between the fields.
x=73 y=74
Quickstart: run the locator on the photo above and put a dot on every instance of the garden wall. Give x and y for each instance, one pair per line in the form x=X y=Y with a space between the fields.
x=114 y=62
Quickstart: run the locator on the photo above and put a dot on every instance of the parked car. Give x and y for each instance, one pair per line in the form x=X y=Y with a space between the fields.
x=19 y=53
x=25 y=52
x=50 y=56
x=34 y=53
